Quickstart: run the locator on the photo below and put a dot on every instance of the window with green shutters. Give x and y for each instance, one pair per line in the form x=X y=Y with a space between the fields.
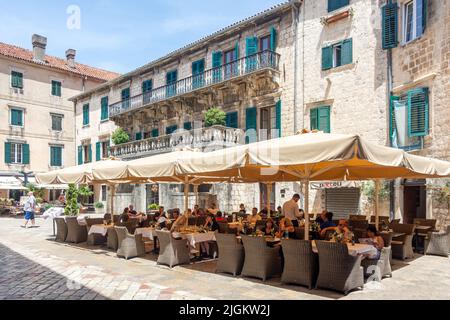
x=126 y=94
x=278 y=114
x=104 y=109
x=171 y=82
x=80 y=155
x=98 y=151
x=147 y=86
x=56 y=156
x=138 y=136
x=251 y=125
x=187 y=126
x=17 y=153
x=337 y=55
x=155 y=133
x=337 y=4
x=273 y=39
x=57 y=122
x=16 y=79
x=56 y=88
x=320 y=119
x=198 y=74
x=231 y=120
x=171 y=129
x=217 y=64
x=250 y=53
x=85 y=114
x=418 y=113
x=389 y=25
x=16 y=117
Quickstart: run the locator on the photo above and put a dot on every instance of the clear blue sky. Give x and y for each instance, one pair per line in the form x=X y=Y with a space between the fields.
x=120 y=35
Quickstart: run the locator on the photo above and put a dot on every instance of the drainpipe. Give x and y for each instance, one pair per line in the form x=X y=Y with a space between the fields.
x=390 y=86
x=295 y=15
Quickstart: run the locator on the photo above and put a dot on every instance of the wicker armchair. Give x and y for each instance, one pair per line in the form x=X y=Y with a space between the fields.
x=438 y=243
x=402 y=246
x=192 y=221
x=338 y=270
x=301 y=265
x=131 y=225
x=380 y=268
x=358 y=224
x=357 y=217
x=223 y=227
x=61 y=229
x=200 y=221
x=382 y=219
x=300 y=233
x=172 y=251
x=112 y=240
x=130 y=246
x=75 y=232
x=260 y=261
x=231 y=254
x=94 y=239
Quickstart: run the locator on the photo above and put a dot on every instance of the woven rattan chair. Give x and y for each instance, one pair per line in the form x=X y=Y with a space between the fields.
x=358 y=224
x=383 y=218
x=338 y=270
x=380 y=268
x=61 y=229
x=260 y=261
x=231 y=254
x=200 y=221
x=300 y=233
x=172 y=251
x=112 y=241
x=75 y=232
x=131 y=225
x=94 y=239
x=301 y=265
x=223 y=227
x=438 y=243
x=130 y=246
x=357 y=217
x=192 y=221
x=402 y=246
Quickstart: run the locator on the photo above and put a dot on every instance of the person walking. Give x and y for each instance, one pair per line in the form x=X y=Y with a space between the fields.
x=29 y=207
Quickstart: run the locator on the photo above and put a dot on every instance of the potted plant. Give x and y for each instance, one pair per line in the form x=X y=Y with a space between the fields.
x=99 y=207
x=215 y=117
x=72 y=206
x=153 y=207
x=84 y=193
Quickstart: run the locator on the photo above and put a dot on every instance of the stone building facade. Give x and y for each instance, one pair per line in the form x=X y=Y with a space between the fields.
x=37 y=128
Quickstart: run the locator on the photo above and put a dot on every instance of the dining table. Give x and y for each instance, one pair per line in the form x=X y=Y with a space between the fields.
x=100 y=229
x=355 y=249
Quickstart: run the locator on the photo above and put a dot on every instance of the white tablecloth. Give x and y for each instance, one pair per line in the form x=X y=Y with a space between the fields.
x=146 y=232
x=356 y=249
x=194 y=238
x=53 y=213
x=82 y=218
x=99 y=229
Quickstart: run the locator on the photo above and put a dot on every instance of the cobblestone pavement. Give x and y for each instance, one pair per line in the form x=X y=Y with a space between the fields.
x=33 y=266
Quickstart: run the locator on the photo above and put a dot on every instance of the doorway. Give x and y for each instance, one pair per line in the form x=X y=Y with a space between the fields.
x=414 y=201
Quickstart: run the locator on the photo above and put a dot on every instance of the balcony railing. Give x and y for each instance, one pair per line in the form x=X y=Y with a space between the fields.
x=211 y=138
x=260 y=61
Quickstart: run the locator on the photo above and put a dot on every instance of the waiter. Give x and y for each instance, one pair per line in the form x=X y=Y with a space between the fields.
x=291 y=210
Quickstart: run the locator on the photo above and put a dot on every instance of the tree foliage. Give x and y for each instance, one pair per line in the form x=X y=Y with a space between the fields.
x=215 y=117
x=120 y=136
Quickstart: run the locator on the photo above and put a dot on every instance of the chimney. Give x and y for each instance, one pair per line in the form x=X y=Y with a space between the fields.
x=70 y=55
x=39 y=45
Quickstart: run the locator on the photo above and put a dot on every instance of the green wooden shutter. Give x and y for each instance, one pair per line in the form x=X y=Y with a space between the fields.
x=56 y=88
x=16 y=117
x=198 y=69
x=273 y=39
x=251 y=50
x=347 y=51
x=138 y=136
x=418 y=116
x=313 y=119
x=171 y=129
x=187 y=126
x=59 y=156
x=80 y=155
x=236 y=49
x=98 y=151
x=125 y=94
x=85 y=114
x=250 y=121
x=389 y=25
x=155 y=133
x=217 y=64
x=327 y=58
x=26 y=154
x=336 y=4
x=55 y=156
x=90 y=153
x=278 y=117
x=17 y=80
x=104 y=109
x=232 y=120
x=147 y=86
x=7 y=152
x=323 y=121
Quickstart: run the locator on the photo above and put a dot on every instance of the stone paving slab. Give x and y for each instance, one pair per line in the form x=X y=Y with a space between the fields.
x=33 y=266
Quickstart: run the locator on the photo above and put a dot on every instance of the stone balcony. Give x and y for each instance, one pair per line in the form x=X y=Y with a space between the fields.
x=212 y=138
x=257 y=64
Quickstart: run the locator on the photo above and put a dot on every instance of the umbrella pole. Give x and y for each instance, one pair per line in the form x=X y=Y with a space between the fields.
x=377 y=203
x=196 y=193
x=113 y=194
x=269 y=194
x=306 y=210
x=186 y=197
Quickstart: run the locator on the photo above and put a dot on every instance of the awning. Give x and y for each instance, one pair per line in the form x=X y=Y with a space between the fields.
x=10 y=183
x=48 y=186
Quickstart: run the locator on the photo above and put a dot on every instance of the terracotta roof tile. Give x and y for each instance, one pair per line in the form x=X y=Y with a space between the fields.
x=57 y=63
